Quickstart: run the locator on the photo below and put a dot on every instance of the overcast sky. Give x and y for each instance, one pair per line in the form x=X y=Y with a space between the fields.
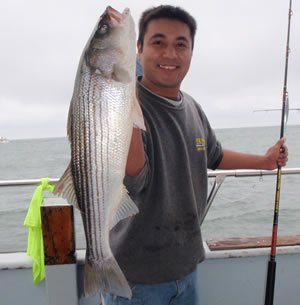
x=237 y=66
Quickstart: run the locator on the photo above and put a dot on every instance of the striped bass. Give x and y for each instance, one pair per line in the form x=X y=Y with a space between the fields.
x=102 y=113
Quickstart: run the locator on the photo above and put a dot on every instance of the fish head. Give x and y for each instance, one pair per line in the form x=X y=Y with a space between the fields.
x=111 y=50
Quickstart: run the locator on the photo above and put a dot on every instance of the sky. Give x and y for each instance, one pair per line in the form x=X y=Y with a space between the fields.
x=237 y=66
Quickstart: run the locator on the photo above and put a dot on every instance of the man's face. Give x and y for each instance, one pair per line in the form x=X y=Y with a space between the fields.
x=166 y=56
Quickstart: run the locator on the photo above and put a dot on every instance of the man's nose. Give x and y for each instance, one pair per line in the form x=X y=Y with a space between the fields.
x=170 y=52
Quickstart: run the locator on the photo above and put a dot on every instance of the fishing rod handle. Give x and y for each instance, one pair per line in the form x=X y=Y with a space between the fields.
x=270 y=282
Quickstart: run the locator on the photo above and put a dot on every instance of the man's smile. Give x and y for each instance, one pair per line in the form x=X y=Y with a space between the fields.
x=168 y=67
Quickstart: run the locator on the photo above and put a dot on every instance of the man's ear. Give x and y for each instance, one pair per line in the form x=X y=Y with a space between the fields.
x=140 y=49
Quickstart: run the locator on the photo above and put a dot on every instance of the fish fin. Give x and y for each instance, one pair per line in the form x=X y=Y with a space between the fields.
x=65 y=187
x=106 y=277
x=138 y=118
x=126 y=209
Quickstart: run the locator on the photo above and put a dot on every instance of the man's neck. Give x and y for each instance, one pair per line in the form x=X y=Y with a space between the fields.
x=170 y=93
x=171 y=100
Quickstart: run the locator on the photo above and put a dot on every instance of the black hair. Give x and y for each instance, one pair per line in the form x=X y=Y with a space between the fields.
x=168 y=12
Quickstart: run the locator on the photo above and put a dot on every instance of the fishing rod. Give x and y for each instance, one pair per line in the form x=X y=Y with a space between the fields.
x=284 y=115
x=266 y=110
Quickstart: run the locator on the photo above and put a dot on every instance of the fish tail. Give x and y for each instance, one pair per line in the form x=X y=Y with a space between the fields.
x=106 y=277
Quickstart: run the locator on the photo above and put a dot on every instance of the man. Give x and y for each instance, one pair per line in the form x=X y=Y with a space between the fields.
x=159 y=248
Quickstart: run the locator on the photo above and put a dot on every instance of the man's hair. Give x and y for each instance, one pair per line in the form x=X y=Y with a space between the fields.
x=167 y=12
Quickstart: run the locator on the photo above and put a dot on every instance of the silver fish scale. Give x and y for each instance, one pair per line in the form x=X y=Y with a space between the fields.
x=100 y=135
x=100 y=124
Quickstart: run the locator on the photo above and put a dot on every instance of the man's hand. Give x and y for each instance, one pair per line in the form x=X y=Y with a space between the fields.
x=277 y=155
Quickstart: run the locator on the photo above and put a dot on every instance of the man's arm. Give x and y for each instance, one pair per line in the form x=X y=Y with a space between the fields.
x=274 y=157
x=136 y=157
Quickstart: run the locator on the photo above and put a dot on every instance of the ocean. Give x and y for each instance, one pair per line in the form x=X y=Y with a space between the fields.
x=242 y=207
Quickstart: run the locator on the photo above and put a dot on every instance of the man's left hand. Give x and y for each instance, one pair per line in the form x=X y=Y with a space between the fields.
x=277 y=155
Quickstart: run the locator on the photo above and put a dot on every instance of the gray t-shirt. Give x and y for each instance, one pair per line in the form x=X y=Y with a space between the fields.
x=163 y=241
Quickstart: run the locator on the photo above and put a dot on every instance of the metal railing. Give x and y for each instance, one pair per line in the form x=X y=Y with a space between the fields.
x=211 y=174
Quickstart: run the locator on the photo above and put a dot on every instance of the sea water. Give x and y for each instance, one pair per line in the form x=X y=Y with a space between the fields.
x=242 y=207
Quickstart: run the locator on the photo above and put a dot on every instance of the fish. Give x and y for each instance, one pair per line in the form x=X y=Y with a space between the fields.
x=102 y=113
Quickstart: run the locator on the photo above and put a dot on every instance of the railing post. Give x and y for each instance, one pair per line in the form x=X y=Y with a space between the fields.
x=60 y=259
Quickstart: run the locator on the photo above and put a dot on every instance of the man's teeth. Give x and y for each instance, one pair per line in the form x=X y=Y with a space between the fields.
x=168 y=67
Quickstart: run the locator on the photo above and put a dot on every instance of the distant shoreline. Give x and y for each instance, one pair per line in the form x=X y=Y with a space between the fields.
x=218 y=128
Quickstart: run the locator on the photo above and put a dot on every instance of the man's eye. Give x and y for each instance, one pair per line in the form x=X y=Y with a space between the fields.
x=181 y=45
x=157 y=42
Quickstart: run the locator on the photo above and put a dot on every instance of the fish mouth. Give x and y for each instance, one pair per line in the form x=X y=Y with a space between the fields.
x=110 y=19
x=115 y=16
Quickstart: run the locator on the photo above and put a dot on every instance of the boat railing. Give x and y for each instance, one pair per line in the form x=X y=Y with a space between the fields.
x=211 y=174
x=218 y=175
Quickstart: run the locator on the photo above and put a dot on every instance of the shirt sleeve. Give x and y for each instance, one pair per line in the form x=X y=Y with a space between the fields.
x=214 y=147
x=215 y=156
x=135 y=184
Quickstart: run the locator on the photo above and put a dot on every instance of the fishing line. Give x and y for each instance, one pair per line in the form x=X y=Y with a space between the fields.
x=284 y=116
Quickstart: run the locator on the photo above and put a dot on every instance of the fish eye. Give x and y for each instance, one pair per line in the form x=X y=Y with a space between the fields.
x=103 y=29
